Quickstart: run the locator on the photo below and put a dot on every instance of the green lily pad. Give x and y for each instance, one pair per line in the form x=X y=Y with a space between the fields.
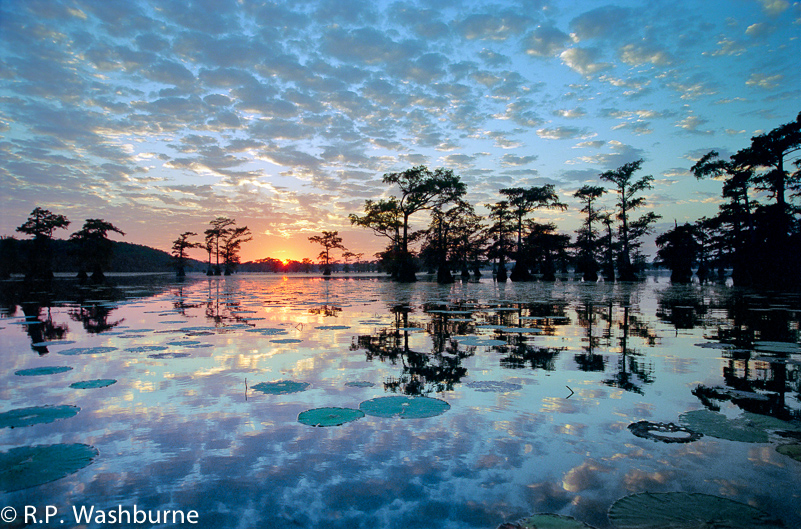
x=547 y=521
x=404 y=407
x=29 y=466
x=281 y=387
x=93 y=384
x=791 y=450
x=494 y=386
x=166 y=356
x=147 y=348
x=329 y=416
x=359 y=384
x=37 y=371
x=36 y=415
x=86 y=351
x=748 y=428
x=333 y=327
x=52 y=343
x=683 y=510
x=267 y=331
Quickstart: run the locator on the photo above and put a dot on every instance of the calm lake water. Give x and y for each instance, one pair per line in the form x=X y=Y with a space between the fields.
x=541 y=383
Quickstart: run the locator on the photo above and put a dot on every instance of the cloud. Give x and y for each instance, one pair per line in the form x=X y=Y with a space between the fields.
x=561 y=133
x=691 y=124
x=572 y=113
x=764 y=81
x=584 y=61
x=545 y=41
x=601 y=23
x=492 y=27
x=511 y=160
x=774 y=7
x=639 y=54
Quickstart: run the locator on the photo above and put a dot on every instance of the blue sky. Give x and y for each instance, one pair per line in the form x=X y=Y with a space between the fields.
x=159 y=116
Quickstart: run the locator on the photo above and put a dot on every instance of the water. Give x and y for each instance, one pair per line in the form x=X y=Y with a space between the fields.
x=543 y=381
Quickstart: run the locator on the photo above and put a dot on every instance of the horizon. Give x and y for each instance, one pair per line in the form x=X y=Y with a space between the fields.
x=285 y=116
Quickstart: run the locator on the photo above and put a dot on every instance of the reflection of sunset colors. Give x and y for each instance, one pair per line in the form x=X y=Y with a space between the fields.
x=177 y=431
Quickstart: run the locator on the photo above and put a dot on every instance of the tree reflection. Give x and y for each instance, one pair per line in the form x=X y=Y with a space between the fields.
x=588 y=360
x=632 y=372
x=519 y=354
x=759 y=340
x=422 y=373
x=681 y=305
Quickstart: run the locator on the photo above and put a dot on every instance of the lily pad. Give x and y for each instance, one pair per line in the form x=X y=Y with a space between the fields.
x=748 y=428
x=147 y=348
x=494 y=386
x=164 y=356
x=37 y=371
x=665 y=432
x=93 y=384
x=359 y=384
x=333 y=327
x=87 y=351
x=329 y=416
x=791 y=450
x=683 y=510
x=36 y=415
x=52 y=343
x=29 y=466
x=547 y=521
x=286 y=340
x=717 y=425
x=404 y=407
x=281 y=387
x=267 y=331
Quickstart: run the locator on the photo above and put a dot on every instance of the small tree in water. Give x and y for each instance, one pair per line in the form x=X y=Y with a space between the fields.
x=41 y=224
x=522 y=202
x=233 y=240
x=587 y=262
x=628 y=201
x=329 y=240
x=94 y=247
x=179 y=248
x=420 y=189
x=678 y=250
x=220 y=228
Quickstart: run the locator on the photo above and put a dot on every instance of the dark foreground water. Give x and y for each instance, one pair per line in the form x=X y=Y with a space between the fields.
x=541 y=381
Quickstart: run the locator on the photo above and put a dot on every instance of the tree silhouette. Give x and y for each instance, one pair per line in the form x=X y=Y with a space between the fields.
x=678 y=251
x=94 y=247
x=219 y=229
x=736 y=214
x=233 y=240
x=420 y=189
x=630 y=230
x=41 y=224
x=179 y=248
x=587 y=262
x=501 y=231
x=329 y=240
x=522 y=202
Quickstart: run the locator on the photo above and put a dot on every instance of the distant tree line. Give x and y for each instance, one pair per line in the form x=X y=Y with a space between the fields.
x=759 y=240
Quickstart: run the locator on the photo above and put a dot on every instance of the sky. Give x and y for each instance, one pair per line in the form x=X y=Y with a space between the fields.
x=160 y=116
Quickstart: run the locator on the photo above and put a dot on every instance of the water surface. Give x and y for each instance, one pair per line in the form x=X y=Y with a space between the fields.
x=542 y=382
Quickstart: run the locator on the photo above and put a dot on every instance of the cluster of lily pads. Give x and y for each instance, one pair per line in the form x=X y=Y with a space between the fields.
x=29 y=466
x=401 y=406
x=674 y=510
